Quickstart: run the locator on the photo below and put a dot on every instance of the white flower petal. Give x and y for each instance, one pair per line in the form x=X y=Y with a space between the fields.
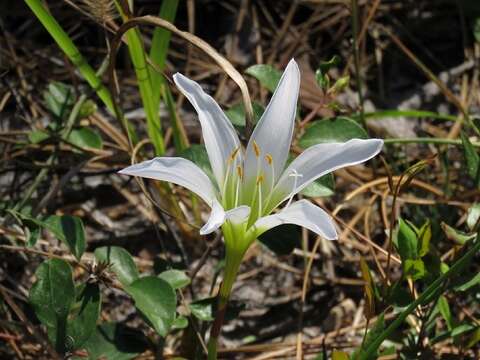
x=216 y=219
x=302 y=213
x=239 y=214
x=218 y=216
x=219 y=136
x=320 y=160
x=176 y=170
x=273 y=133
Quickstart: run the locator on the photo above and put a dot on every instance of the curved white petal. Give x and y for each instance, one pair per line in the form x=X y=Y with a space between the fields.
x=320 y=160
x=219 y=136
x=239 y=214
x=302 y=213
x=273 y=133
x=218 y=216
x=176 y=170
x=216 y=219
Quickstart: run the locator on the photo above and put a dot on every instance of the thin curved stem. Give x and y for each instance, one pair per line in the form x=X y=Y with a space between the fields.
x=426 y=140
x=233 y=259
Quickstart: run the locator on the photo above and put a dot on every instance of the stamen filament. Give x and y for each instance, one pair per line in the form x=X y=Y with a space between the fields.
x=237 y=190
x=295 y=176
x=269 y=160
x=259 y=184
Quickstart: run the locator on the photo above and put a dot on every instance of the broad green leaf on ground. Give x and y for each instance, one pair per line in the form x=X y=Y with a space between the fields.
x=156 y=300
x=121 y=263
x=51 y=297
x=323 y=187
x=69 y=230
x=236 y=114
x=266 y=74
x=114 y=341
x=85 y=137
x=176 y=278
x=83 y=318
x=340 y=129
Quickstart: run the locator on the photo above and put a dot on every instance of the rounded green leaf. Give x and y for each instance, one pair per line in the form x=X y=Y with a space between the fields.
x=157 y=301
x=83 y=321
x=51 y=297
x=85 y=138
x=114 y=341
x=266 y=74
x=70 y=230
x=340 y=129
x=53 y=292
x=236 y=114
x=325 y=186
x=121 y=263
x=176 y=278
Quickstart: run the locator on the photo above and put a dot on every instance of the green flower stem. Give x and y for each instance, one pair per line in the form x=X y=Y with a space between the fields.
x=66 y=44
x=236 y=245
x=427 y=295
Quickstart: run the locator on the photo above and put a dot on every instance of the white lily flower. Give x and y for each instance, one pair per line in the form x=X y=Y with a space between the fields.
x=251 y=184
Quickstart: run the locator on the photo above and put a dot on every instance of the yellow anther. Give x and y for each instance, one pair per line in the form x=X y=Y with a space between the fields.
x=240 y=171
x=234 y=153
x=260 y=179
x=269 y=159
x=256 y=149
